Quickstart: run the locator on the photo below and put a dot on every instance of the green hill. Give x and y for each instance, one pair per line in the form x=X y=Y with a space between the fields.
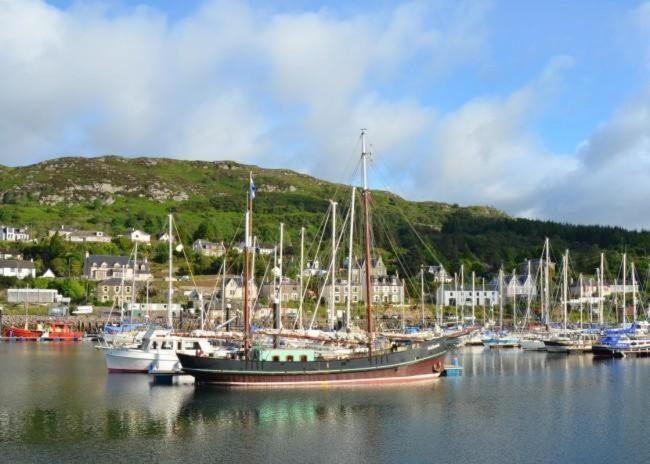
x=207 y=198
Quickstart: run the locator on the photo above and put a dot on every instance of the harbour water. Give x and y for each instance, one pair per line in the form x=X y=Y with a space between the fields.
x=57 y=404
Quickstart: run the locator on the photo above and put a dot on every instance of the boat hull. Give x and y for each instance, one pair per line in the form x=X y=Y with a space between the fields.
x=17 y=332
x=533 y=345
x=419 y=364
x=556 y=346
x=135 y=361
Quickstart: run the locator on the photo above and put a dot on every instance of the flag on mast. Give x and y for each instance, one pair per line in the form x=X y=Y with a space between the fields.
x=251 y=188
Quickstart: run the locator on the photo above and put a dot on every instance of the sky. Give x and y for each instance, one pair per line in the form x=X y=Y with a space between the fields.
x=540 y=109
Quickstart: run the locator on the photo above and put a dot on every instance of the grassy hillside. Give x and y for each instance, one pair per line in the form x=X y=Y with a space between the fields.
x=207 y=198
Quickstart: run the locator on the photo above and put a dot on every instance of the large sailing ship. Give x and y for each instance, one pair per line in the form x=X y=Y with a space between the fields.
x=398 y=360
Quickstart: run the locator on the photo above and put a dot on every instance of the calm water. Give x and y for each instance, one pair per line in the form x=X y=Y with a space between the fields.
x=58 y=404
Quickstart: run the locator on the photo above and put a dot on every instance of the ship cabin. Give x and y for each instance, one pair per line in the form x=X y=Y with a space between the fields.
x=282 y=355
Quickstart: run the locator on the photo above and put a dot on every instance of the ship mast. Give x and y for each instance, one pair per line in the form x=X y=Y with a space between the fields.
x=247 y=244
x=366 y=220
x=170 y=289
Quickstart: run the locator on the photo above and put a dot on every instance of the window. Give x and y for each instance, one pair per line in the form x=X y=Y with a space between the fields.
x=127 y=289
x=105 y=288
x=104 y=297
x=275 y=358
x=355 y=299
x=394 y=298
x=376 y=298
x=336 y=298
x=394 y=289
x=303 y=358
x=289 y=358
x=117 y=289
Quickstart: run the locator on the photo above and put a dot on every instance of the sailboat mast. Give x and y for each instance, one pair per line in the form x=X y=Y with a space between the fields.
x=170 y=295
x=547 y=289
x=581 y=294
x=350 y=256
x=247 y=246
x=501 y=299
x=456 y=295
x=514 y=299
x=332 y=306
x=133 y=292
x=442 y=297
x=624 y=285
x=422 y=293
x=565 y=279
x=366 y=221
x=462 y=292
x=281 y=267
x=601 y=292
x=529 y=292
x=302 y=272
x=633 y=292
x=473 y=297
x=484 y=308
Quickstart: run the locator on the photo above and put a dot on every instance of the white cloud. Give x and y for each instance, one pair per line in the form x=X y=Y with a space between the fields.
x=484 y=152
x=89 y=80
x=292 y=89
x=610 y=185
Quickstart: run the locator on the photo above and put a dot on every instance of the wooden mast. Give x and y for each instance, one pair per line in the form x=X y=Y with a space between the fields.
x=366 y=217
x=247 y=243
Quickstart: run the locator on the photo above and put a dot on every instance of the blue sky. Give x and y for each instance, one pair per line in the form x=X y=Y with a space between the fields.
x=541 y=109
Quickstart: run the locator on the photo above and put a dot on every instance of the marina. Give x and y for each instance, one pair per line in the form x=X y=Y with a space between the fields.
x=324 y=232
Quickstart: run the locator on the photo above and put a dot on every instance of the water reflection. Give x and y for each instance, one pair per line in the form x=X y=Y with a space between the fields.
x=60 y=398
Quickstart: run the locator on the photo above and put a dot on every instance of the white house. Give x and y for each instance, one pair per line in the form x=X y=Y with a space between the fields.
x=18 y=268
x=139 y=236
x=13 y=234
x=71 y=234
x=206 y=248
x=164 y=237
x=440 y=275
x=48 y=274
x=234 y=288
x=518 y=285
x=101 y=267
x=480 y=297
x=342 y=293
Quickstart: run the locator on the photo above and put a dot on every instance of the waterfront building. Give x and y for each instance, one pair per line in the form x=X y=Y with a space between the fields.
x=342 y=293
x=480 y=297
x=18 y=268
x=288 y=290
x=102 y=267
x=111 y=290
x=234 y=288
x=35 y=296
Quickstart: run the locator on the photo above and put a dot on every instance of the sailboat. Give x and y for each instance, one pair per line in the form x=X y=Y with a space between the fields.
x=260 y=365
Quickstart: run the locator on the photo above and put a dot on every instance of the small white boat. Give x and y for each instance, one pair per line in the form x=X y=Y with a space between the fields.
x=532 y=344
x=158 y=351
